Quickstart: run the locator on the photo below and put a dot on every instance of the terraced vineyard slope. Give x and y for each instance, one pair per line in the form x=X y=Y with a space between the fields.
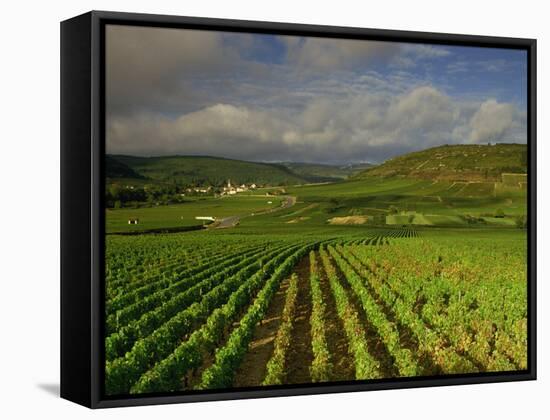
x=456 y=163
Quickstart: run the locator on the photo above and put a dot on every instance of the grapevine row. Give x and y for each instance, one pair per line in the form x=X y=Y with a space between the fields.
x=404 y=359
x=179 y=294
x=166 y=320
x=128 y=279
x=167 y=279
x=161 y=365
x=366 y=367
x=321 y=367
x=430 y=344
x=229 y=357
x=276 y=365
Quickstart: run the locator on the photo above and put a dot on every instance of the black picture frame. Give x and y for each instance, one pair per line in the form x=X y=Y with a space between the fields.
x=82 y=204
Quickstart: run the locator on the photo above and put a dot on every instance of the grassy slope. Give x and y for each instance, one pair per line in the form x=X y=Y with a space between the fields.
x=431 y=199
x=432 y=202
x=180 y=215
x=455 y=163
x=316 y=172
x=208 y=170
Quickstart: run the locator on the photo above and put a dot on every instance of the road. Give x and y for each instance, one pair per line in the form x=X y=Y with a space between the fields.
x=227 y=222
x=232 y=221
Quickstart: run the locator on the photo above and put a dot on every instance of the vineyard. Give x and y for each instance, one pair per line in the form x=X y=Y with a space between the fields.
x=273 y=224
x=205 y=311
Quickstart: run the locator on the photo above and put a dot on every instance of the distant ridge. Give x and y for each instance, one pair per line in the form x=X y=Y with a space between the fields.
x=116 y=169
x=319 y=172
x=199 y=170
x=455 y=163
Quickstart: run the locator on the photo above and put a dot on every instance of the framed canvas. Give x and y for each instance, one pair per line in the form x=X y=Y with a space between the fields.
x=254 y=209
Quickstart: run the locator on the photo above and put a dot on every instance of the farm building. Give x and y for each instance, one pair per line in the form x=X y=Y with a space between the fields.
x=209 y=218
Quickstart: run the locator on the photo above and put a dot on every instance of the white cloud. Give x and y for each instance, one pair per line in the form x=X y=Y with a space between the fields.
x=492 y=121
x=458 y=67
x=366 y=126
x=196 y=92
x=337 y=54
x=424 y=107
x=329 y=54
x=412 y=54
x=425 y=51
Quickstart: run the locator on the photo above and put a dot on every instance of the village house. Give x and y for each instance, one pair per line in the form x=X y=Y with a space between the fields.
x=231 y=190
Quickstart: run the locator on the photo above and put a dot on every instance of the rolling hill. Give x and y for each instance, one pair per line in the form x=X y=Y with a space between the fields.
x=318 y=172
x=455 y=163
x=116 y=169
x=198 y=170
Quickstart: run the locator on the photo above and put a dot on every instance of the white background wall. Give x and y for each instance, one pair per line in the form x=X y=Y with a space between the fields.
x=29 y=234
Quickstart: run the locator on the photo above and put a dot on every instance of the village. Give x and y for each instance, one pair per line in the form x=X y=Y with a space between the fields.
x=132 y=196
x=228 y=189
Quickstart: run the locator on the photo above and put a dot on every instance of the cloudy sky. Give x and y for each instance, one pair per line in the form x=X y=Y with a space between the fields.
x=286 y=98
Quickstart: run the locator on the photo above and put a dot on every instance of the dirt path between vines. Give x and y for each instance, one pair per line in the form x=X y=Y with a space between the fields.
x=343 y=368
x=252 y=370
x=376 y=346
x=300 y=354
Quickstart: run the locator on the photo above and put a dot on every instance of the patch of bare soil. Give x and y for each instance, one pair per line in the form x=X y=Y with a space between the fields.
x=298 y=219
x=348 y=220
x=300 y=354
x=342 y=361
x=376 y=346
x=252 y=370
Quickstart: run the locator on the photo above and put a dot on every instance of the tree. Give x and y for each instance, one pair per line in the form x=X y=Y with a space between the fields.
x=499 y=213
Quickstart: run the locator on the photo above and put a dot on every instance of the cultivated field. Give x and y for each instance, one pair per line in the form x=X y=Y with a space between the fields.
x=369 y=278
x=183 y=215
x=211 y=310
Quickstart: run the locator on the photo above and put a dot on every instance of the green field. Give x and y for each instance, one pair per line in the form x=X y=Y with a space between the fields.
x=431 y=280
x=432 y=203
x=325 y=173
x=183 y=215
